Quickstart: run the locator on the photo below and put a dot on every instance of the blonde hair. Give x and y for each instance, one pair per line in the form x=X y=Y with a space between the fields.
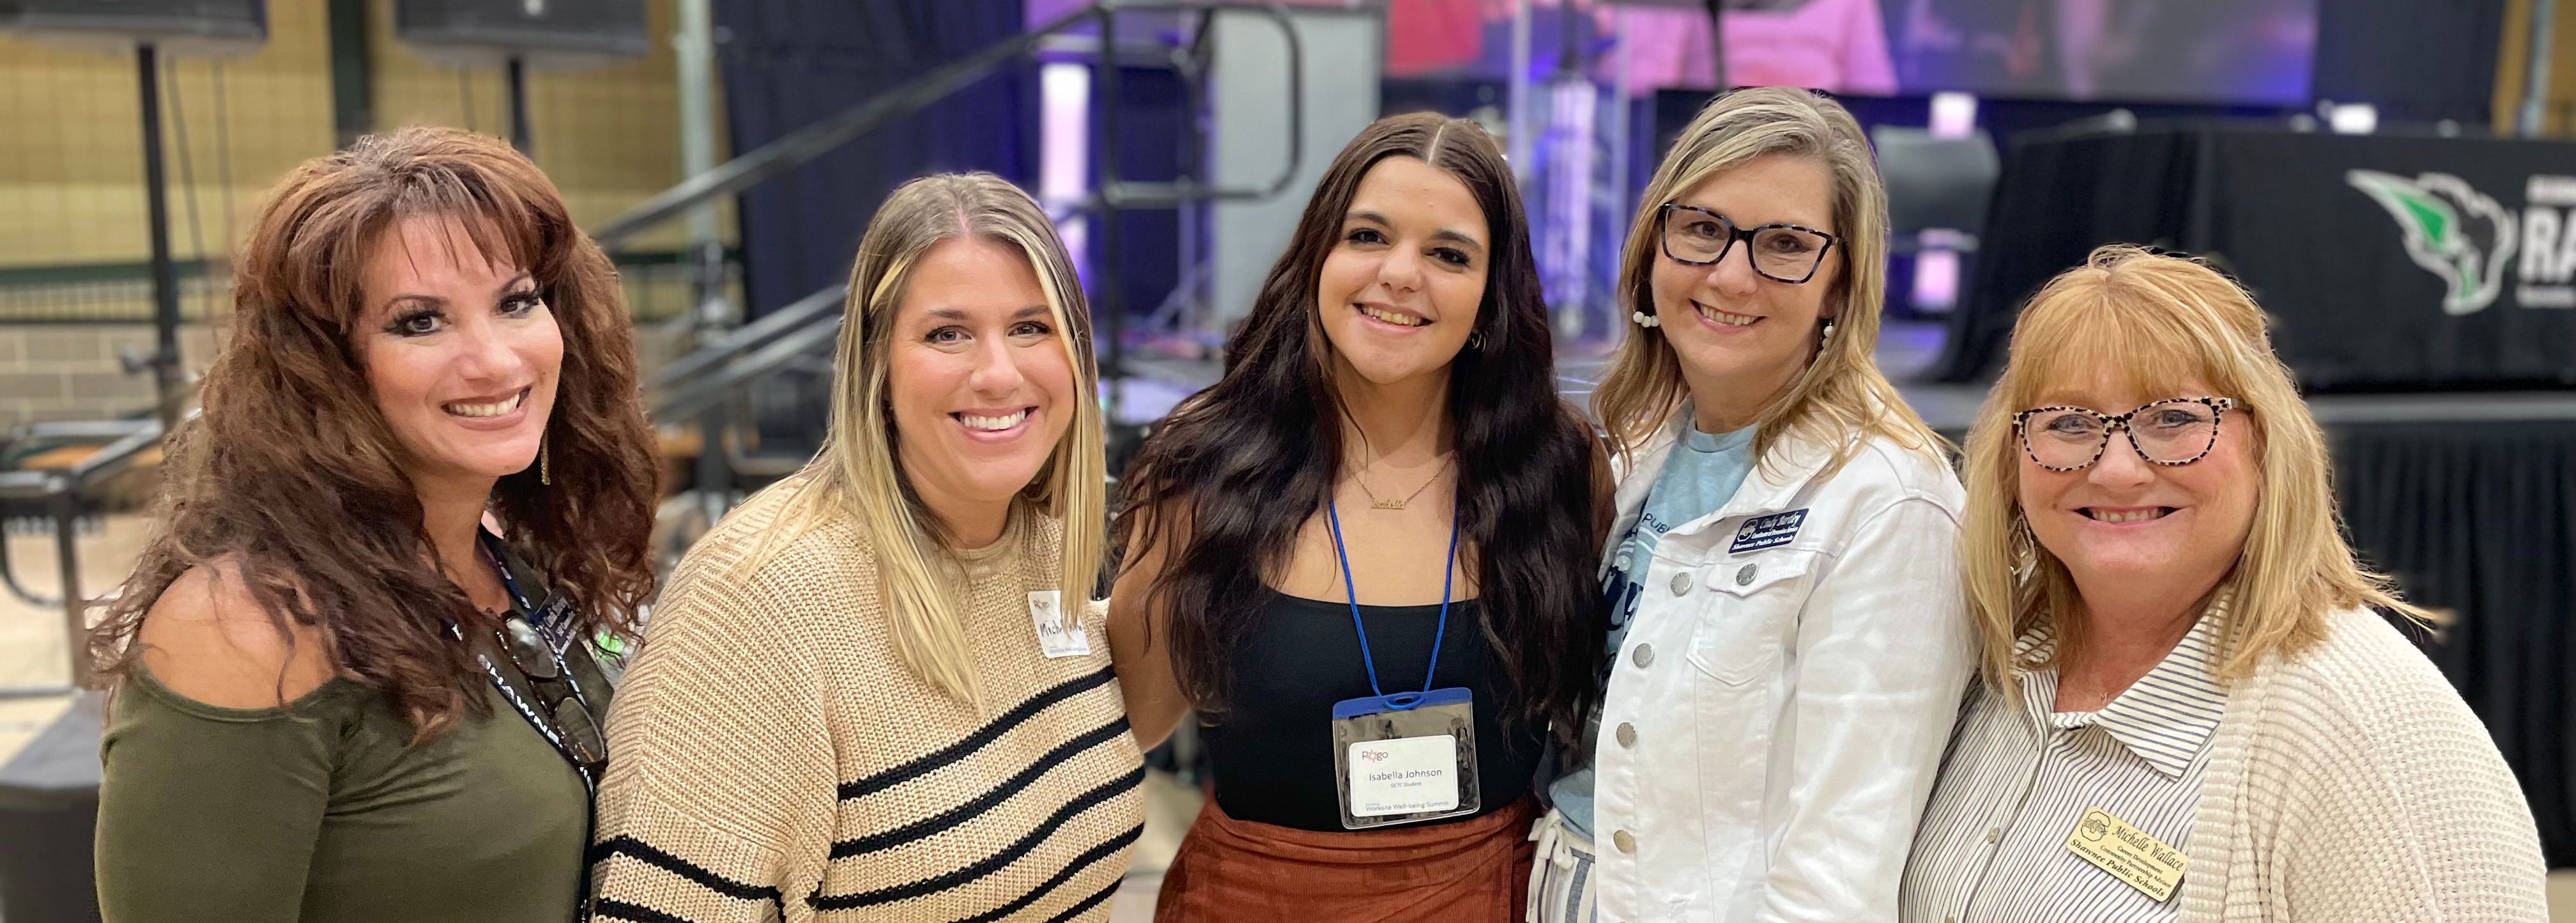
x=1841 y=392
x=2157 y=323
x=856 y=476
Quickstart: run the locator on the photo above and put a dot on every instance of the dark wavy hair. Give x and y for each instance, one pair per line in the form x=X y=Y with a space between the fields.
x=292 y=475
x=1232 y=474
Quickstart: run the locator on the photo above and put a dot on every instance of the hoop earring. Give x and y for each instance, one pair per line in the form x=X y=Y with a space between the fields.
x=1643 y=319
x=545 y=471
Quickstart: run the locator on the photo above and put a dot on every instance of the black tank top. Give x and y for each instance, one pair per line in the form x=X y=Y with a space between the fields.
x=1273 y=750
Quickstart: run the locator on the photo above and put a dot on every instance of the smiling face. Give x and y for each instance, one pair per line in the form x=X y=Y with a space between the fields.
x=1399 y=292
x=461 y=353
x=2128 y=526
x=977 y=374
x=1735 y=331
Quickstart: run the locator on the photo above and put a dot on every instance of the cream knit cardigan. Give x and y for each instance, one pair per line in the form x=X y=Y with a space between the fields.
x=2350 y=784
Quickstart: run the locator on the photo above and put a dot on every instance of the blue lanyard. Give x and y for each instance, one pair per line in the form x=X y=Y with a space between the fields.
x=1448 y=571
x=533 y=616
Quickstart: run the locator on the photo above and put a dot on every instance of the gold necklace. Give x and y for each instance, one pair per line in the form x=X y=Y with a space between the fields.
x=1378 y=504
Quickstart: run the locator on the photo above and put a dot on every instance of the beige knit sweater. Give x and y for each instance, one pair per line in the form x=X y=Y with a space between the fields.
x=2350 y=784
x=770 y=758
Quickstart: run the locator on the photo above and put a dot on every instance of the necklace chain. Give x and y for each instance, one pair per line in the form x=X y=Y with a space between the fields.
x=1378 y=504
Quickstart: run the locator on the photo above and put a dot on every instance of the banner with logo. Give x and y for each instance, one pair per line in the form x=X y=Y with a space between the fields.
x=2386 y=262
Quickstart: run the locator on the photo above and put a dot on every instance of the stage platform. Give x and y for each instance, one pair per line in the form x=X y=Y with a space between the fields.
x=1908 y=352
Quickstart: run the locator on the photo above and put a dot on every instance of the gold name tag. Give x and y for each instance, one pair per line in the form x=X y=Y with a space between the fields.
x=2128 y=853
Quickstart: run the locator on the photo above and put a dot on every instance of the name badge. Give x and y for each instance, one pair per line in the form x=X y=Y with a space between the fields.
x=554 y=619
x=1406 y=757
x=2131 y=855
x=1058 y=636
x=1770 y=531
x=1407 y=775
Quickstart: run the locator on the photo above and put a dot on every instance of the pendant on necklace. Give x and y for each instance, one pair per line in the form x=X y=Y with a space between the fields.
x=1377 y=504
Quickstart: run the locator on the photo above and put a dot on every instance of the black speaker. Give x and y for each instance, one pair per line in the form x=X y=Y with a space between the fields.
x=183 y=26
x=545 y=33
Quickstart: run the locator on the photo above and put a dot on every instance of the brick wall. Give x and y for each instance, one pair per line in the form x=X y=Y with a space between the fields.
x=71 y=371
x=71 y=168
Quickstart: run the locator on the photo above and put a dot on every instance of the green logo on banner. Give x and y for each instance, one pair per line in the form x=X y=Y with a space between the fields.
x=2440 y=215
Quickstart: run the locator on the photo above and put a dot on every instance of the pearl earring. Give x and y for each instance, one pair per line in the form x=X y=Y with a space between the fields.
x=1644 y=319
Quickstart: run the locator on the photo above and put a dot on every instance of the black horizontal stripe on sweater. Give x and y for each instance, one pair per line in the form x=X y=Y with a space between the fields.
x=951 y=818
x=1086 y=904
x=621 y=910
x=991 y=731
x=1106 y=849
x=689 y=871
x=998 y=861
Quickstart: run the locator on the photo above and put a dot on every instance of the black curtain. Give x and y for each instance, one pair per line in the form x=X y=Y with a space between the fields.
x=789 y=63
x=2416 y=60
x=1155 y=143
x=2478 y=520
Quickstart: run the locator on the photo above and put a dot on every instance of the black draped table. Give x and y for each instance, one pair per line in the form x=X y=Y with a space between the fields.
x=2475 y=516
x=2389 y=263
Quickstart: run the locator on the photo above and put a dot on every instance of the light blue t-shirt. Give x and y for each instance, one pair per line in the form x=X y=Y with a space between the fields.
x=1699 y=476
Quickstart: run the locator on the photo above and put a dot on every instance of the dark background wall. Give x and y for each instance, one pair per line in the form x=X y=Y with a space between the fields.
x=788 y=63
x=2417 y=60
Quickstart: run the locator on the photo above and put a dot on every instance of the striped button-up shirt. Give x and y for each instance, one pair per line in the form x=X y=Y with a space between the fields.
x=2018 y=777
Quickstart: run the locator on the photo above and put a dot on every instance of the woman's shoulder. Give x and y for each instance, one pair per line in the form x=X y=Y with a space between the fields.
x=783 y=532
x=207 y=639
x=2363 y=684
x=2359 y=732
x=1889 y=470
x=2361 y=652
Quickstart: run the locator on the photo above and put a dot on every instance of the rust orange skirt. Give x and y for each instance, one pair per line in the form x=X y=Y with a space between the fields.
x=1235 y=871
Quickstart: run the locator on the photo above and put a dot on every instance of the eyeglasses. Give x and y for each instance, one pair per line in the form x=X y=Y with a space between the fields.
x=1780 y=252
x=2170 y=433
x=555 y=703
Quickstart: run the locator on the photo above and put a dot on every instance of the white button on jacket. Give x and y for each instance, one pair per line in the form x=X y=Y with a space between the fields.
x=1790 y=694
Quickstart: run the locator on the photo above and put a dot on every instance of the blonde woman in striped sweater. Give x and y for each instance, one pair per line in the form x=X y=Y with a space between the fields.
x=879 y=690
x=2191 y=711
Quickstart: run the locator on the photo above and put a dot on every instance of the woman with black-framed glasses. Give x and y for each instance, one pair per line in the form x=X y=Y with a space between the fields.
x=353 y=676
x=2191 y=712
x=1789 y=253
x=1786 y=642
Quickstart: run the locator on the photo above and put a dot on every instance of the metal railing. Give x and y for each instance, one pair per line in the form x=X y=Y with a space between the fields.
x=701 y=385
x=59 y=490
x=803 y=145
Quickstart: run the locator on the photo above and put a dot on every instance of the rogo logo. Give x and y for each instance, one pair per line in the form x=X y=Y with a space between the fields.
x=2469 y=239
x=1374 y=756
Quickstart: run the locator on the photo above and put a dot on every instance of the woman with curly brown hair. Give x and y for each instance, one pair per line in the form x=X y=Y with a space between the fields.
x=337 y=696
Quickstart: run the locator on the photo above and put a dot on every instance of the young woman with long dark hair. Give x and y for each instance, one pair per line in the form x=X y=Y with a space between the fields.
x=1365 y=553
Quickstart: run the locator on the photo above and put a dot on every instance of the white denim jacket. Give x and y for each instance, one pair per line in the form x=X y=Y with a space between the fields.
x=1781 y=702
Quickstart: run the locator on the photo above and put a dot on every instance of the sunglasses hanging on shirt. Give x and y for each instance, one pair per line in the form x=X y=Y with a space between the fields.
x=529 y=657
